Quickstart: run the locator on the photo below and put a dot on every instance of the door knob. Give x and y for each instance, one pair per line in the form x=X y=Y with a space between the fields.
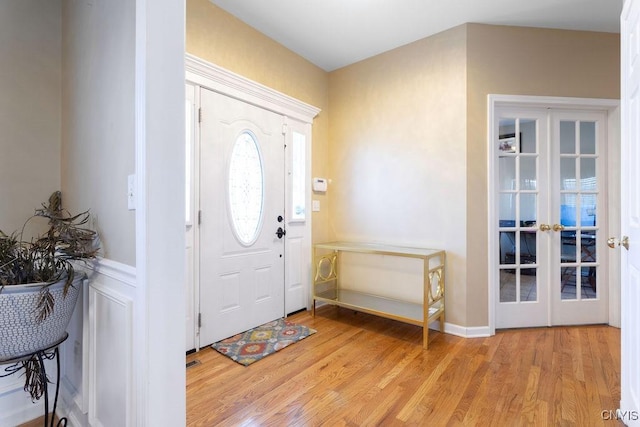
x=558 y=227
x=612 y=242
x=280 y=232
x=545 y=227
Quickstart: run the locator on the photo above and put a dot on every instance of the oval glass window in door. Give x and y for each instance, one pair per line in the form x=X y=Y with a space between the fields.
x=246 y=188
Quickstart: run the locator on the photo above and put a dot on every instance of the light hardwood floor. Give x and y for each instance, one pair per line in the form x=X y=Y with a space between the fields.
x=362 y=370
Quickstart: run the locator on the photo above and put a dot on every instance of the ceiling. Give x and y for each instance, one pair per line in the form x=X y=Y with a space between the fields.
x=336 y=33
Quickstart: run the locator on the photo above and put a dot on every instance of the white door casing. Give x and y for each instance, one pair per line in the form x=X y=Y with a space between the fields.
x=630 y=221
x=606 y=123
x=242 y=200
x=190 y=217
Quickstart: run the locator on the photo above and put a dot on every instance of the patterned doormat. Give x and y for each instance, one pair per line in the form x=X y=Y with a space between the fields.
x=259 y=342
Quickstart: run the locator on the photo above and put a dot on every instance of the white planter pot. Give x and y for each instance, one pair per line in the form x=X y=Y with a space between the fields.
x=20 y=332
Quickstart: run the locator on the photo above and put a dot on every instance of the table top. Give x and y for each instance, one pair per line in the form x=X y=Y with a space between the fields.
x=378 y=248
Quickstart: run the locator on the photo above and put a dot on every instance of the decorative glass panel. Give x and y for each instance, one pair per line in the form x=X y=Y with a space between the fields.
x=298 y=177
x=246 y=188
x=567 y=137
x=587 y=138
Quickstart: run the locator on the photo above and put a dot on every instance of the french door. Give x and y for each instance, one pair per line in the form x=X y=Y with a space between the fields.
x=551 y=215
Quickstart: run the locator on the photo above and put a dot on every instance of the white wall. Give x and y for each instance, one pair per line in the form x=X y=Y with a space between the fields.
x=98 y=127
x=30 y=31
x=29 y=107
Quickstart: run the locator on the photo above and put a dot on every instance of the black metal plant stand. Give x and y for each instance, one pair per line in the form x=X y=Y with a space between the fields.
x=49 y=353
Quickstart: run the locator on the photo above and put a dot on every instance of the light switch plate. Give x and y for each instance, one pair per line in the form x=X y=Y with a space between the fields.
x=316 y=206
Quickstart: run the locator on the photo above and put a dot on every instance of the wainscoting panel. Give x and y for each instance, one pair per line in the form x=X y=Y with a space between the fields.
x=110 y=352
x=97 y=380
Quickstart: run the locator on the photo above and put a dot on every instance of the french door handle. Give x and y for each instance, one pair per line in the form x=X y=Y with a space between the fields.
x=612 y=242
x=558 y=227
x=545 y=227
x=280 y=232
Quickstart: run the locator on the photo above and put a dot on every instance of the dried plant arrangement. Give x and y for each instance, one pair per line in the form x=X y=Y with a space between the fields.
x=46 y=262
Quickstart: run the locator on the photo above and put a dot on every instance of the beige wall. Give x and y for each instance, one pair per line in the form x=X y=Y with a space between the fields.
x=220 y=38
x=522 y=61
x=397 y=151
x=30 y=112
x=98 y=150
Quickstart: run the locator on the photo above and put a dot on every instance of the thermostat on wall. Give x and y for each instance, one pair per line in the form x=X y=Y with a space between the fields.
x=319 y=184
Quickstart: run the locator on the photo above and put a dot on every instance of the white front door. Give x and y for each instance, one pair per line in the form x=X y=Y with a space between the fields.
x=630 y=226
x=550 y=207
x=242 y=209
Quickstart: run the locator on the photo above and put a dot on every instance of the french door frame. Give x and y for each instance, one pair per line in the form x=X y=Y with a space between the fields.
x=611 y=228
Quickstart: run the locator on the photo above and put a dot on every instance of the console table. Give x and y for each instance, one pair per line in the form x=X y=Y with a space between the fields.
x=328 y=287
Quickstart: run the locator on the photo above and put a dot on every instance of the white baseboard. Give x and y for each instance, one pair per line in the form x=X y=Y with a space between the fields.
x=467 y=332
x=71 y=410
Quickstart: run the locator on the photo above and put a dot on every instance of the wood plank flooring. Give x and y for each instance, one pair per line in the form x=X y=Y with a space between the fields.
x=362 y=370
